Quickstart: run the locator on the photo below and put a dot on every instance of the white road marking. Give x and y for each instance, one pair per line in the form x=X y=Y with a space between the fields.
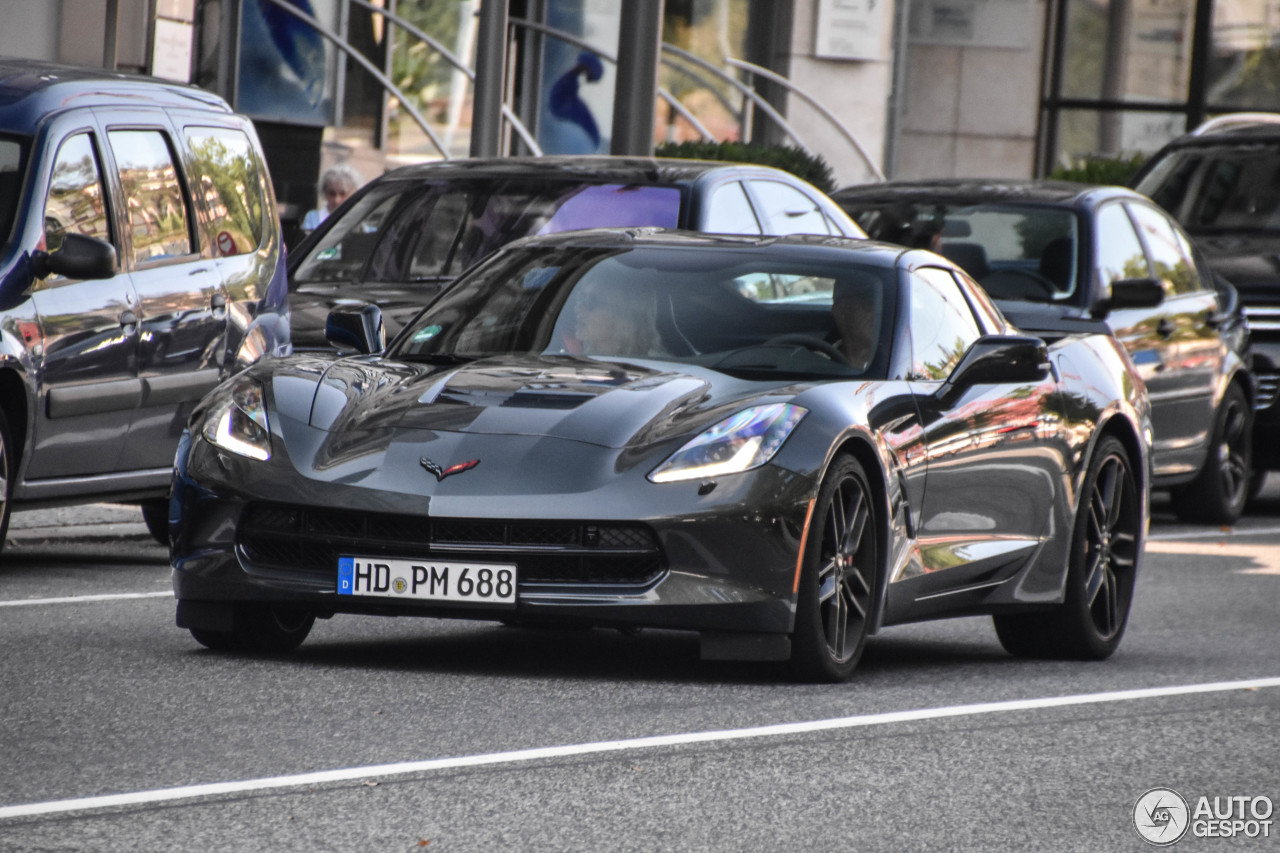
x=1215 y=533
x=1265 y=557
x=80 y=599
x=781 y=730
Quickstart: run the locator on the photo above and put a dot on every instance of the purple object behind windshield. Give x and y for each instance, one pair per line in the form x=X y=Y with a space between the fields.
x=617 y=205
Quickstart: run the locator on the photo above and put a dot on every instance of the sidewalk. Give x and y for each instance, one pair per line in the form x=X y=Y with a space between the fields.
x=90 y=521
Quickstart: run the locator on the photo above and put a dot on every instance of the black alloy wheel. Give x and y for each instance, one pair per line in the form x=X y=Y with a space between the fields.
x=8 y=465
x=259 y=629
x=838 y=577
x=1104 y=555
x=1220 y=491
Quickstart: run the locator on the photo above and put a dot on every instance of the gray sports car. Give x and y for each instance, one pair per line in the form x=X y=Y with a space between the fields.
x=783 y=444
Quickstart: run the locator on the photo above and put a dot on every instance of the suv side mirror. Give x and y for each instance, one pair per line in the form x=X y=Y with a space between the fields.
x=998 y=359
x=1131 y=293
x=356 y=327
x=79 y=257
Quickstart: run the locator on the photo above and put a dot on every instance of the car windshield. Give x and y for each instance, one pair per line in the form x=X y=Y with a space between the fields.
x=12 y=157
x=1219 y=188
x=425 y=231
x=742 y=312
x=1019 y=252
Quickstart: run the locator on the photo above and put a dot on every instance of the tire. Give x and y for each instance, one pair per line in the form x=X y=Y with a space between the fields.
x=1257 y=480
x=156 y=514
x=1219 y=492
x=1105 y=542
x=259 y=629
x=8 y=469
x=837 y=578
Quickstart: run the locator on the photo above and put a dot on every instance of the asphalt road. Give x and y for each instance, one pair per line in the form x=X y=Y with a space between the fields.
x=400 y=734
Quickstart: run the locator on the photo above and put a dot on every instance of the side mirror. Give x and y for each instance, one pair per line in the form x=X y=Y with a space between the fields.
x=79 y=257
x=997 y=359
x=1131 y=293
x=356 y=327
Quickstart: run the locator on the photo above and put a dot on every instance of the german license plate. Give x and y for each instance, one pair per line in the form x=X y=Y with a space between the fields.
x=427 y=580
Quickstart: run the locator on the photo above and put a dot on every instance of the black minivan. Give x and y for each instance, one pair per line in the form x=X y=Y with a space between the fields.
x=141 y=263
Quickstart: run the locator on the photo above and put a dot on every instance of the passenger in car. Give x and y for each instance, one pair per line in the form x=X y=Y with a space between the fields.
x=613 y=321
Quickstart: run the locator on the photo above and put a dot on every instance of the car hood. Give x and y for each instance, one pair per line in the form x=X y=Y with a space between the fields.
x=1250 y=262
x=608 y=404
x=1043 y=318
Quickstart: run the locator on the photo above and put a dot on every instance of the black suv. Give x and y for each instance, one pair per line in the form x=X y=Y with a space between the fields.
x=140 y=263
x=1222 y=182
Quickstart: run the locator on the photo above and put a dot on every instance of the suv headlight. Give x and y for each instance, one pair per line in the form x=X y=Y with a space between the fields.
x=239 y=422
x=738 y=443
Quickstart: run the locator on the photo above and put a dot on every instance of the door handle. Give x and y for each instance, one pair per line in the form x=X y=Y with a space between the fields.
x=218 y=302
x=1165 y=327
x=128 y=318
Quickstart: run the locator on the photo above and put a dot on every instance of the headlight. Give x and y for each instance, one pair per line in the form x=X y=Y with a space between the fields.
x=739 y=443
x=239 y=423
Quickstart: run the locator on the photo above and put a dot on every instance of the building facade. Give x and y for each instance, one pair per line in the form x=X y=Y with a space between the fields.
x=913 y=88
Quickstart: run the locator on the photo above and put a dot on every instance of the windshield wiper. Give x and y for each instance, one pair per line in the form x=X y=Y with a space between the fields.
x=440 y=358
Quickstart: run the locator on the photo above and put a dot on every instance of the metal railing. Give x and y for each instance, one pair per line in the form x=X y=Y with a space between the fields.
x=748 y=93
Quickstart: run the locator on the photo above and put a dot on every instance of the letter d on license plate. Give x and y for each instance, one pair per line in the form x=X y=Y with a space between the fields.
x=425 y=580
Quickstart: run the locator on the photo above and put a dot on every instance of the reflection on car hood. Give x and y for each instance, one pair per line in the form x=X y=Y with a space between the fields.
x=1250 y=262
x=1055 y=319
x=611 y=404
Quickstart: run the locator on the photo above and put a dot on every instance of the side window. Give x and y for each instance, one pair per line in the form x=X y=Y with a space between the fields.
x=787 y=210
x=729 y=211
x=225 y=175
x=1170 y=260
x=75 y=203
x=154 y=206
x=941 y=323
x=1120 y=253
x=989 y=316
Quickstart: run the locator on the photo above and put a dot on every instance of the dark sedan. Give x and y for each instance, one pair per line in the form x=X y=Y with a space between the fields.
x=404 y=236
x=782 y=444
x=1058 y=256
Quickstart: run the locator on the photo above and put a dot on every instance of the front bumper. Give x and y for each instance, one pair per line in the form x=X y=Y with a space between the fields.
x=723 y=561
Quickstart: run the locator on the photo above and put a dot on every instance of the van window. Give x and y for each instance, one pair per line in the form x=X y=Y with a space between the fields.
x=12 y=155
x=75 y=203
x=156 y=210
x=225 y=175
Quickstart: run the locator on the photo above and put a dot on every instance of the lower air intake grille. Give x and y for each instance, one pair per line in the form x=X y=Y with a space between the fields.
x=309 y=540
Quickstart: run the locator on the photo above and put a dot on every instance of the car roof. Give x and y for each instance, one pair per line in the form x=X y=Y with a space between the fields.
x=1238 y=125
x=626 y=170
x=972 y=191
x=871 y=252
x=31 y=90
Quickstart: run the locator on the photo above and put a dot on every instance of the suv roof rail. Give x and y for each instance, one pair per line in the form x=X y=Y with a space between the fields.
x=1231 y=120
